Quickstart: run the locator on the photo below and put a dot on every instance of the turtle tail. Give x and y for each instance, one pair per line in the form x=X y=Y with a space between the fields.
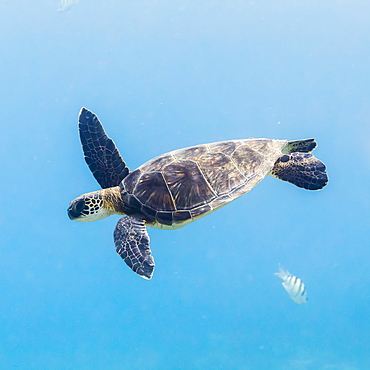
x=301 y=169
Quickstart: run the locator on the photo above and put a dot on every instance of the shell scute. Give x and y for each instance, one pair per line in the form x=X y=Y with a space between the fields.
x=165 y=218
x=198 y=211
x=157 y=164
x=152 y=191
x=181 y=216
x=188 y=187
x=149 y=212
x=247 y=159
x=220 y=172
x=134 y=204
x=130 y=181
x=225 y=147
x=259 y=145
x=194 y=152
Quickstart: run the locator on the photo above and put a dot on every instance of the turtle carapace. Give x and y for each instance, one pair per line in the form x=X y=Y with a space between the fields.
x=181 y=186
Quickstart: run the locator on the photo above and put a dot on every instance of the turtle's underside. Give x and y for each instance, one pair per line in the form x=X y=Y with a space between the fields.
x=176 y=188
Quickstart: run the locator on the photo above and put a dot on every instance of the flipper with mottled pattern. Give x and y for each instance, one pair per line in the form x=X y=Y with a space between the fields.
x=132 y=244
x=101 y=155
x=301 y=169
x=303 y=146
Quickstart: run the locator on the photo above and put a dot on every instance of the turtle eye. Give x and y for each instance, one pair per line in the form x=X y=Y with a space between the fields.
x=78 y=206
x=284 y=158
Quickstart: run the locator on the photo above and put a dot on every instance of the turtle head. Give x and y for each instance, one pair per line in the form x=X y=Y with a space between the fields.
x=88 y=207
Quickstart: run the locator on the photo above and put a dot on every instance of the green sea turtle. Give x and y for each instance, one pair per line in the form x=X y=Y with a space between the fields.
x=181 y=186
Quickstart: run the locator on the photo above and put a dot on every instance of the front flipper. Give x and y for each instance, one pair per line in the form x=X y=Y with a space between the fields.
x=101 y=155
x=132 y=244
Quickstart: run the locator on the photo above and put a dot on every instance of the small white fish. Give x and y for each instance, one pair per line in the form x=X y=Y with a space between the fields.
x=65 y=5
x=293 y=285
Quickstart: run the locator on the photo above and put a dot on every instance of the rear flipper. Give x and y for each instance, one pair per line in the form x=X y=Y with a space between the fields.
x=303 y=146
x=302 y=170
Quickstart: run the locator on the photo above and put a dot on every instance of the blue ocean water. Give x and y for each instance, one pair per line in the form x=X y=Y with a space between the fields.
x=162 y=75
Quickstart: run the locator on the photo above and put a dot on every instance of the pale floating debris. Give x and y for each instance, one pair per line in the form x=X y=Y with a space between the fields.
x=293 y=285
x=65 y=5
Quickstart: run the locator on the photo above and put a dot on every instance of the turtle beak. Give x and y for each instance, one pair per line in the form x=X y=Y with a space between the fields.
x=71 y=213
x=75 y=209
